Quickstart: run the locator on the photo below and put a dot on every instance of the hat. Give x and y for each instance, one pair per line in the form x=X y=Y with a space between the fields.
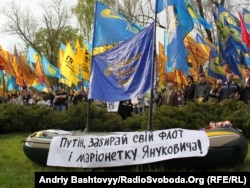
x=190 y=77
x=201 y=75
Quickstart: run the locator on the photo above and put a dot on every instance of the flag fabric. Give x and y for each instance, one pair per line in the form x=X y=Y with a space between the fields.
x=61 y=54
x=39 y=70
x=123 y=72
x=49 y=69
x=34 y=61
x=232 y=47
x=244 y=34
x=5 y=62
x=68 y=66
x=11 y=83
x=247 y=59
x=83 y=59
x=162 y=4
x=3 y=87
x=39 y=86
x=246 y=18
x=32 y=56
x=202 y=43
x=111 y=27
x=229 y=47
x=196 y=16
x=233 y=65
x=180 y=24
x=215 y=68
x=15 y=65
x=86 y=63
x=180 y=78
x=198 y=53
x=27 y=72
x=161 y=61
x=65 y=81
x=230 y=21
x=102 y=49
x=225 y=15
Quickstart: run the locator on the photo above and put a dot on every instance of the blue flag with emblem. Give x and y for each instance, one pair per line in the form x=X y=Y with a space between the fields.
x=49 y=69
x=196 y=16
x=215 y=68
x=180 y=24
x=32 y=57
x=124 y=71
x=111 y=27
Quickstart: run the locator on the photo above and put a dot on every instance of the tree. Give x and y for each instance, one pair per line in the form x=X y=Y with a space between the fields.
x=45 y=35
x=137 y=11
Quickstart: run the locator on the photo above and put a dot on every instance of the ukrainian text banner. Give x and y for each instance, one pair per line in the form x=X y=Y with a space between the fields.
x=126 y=148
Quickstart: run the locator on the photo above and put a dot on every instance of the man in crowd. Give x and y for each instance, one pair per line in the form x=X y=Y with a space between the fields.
x=60 y=99
x=202 y=90
x=230 y=89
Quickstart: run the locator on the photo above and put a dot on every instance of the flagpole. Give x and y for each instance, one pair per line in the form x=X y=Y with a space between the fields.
x=152 y=74
x=86 y=130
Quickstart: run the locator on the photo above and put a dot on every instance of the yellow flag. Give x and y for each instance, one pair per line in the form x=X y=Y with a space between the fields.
x=161 y=60
x=82 y=56
x=60 y=58
x=68 y=65
x=86 y=63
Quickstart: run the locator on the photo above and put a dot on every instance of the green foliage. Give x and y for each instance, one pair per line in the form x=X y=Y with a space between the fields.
x=15 y=118
x=50 y=48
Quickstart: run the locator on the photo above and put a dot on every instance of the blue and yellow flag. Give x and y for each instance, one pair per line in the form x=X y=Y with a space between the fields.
x=32 y=57
x=231 y=46
x=49 y=69
x=123 y=72
x=39 y=86
x=215 y=68
x=180 y=24
x=11 y=82
x=196 y=16
x=230 y=21
x=111 y=27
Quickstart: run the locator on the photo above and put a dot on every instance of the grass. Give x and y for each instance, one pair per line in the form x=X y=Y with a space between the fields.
x=17 y=169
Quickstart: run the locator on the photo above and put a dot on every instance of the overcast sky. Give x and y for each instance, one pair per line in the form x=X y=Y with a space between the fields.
x=7 y=42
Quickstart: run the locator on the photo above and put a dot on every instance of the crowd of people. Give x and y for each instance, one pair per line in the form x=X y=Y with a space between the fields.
x=201 y=91
x=59 y=100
